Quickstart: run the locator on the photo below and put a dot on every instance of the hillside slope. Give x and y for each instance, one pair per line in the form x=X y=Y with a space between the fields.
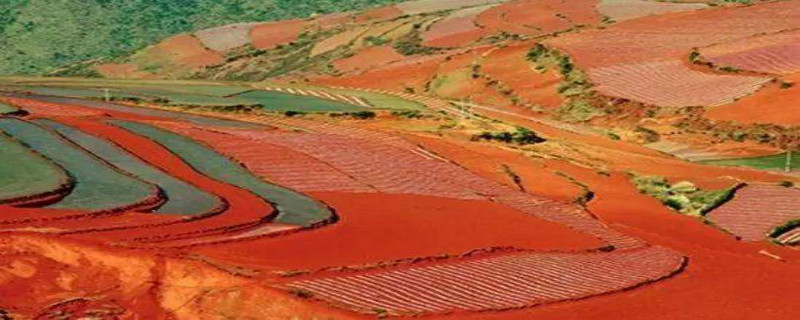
x=37 y=35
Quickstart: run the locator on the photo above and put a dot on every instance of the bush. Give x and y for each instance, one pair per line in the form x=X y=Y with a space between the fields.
x=292 y=113
x=521 y=136
x=409 y=114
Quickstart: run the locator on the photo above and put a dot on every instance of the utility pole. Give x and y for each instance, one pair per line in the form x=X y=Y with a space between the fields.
x=108 y=94
x=788 y=160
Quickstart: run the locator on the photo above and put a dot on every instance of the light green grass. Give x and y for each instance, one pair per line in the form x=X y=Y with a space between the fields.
x=272 y=100
x=23 y=173
x=773 y=162
x=293 y=208
x=182 y=198
x=98 y=187
x=6 y=109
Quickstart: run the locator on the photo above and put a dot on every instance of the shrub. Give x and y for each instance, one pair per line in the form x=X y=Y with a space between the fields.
x=521 y=136
x=409 y=114
x=786 y=85
x=292 y=113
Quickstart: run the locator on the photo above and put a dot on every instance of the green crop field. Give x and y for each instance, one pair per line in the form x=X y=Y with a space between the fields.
x=294 y=208
x=272 y=100
x=23 y=173
x=773 y=162
x=182 y=198
x=5 y=109
x=98 y=187
x=379 y=100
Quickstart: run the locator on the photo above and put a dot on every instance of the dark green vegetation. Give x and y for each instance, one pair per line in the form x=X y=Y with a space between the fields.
x=182 y=198
x=271 y=100
x=522 y=136
x=293 y=208
x=578 y=92
x=24 y=173
x=224 y=98
x=98 y=187
x=39 y=35
x=773 y=162
x=683 y=196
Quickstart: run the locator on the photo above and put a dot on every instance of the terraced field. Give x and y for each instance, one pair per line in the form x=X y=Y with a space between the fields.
x=181 y=197
x=293 y=208
x=26 y=176
x=98 y=187
x=756 y=210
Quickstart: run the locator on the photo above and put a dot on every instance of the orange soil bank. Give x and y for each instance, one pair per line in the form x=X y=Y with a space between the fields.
x=269 y=35
x=368 y=58
x=189 y=51
x=383 y=227
x=773 y=105
x=510 y=66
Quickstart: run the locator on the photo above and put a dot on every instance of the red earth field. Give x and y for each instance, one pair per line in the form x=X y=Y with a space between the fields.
x=479 y=200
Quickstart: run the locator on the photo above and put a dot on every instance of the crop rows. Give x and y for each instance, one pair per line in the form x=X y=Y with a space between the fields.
x=756 y=210
x=777 y=59
x=323 y=95
x=494 y=283
x=97 y=187
x=790 y=237
x=293 y=207
x=181 y=197
x=620 y=10
x=26 y=177
x=672 y=83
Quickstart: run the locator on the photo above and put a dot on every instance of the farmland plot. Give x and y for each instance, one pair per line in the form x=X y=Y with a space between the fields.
x=756 y=210
x=98 y=187
x=494 y=283
x=25 y=176
x=182 y=198
x=293 y=207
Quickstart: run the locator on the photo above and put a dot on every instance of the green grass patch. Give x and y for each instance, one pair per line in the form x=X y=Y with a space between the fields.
x=773 y=162
x=182 y=198
x=98 y=187
x=272 y=100
x=683 y=196
x=294 y=208
x=378 y=100
x=6 y=109
x=24 y=173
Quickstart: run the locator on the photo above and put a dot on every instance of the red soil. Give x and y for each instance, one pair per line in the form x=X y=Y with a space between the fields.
x=620 y=10
x=270 y=35
x=244 y=208
x=488 y=163
x=379 y=14
x=705 y=290
x=368 y=58
x=394 y=77
x=536 y=17
x=189 y=51
x=45 y=109
x=655 y=49
x=457 y=30
x=777 y=53
x=673 y=83
x=332 y=20
x=756 y=210
x=511 y=68
x=383 y=227
x=772 y=105
x=495 y=283
x=281 y=165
